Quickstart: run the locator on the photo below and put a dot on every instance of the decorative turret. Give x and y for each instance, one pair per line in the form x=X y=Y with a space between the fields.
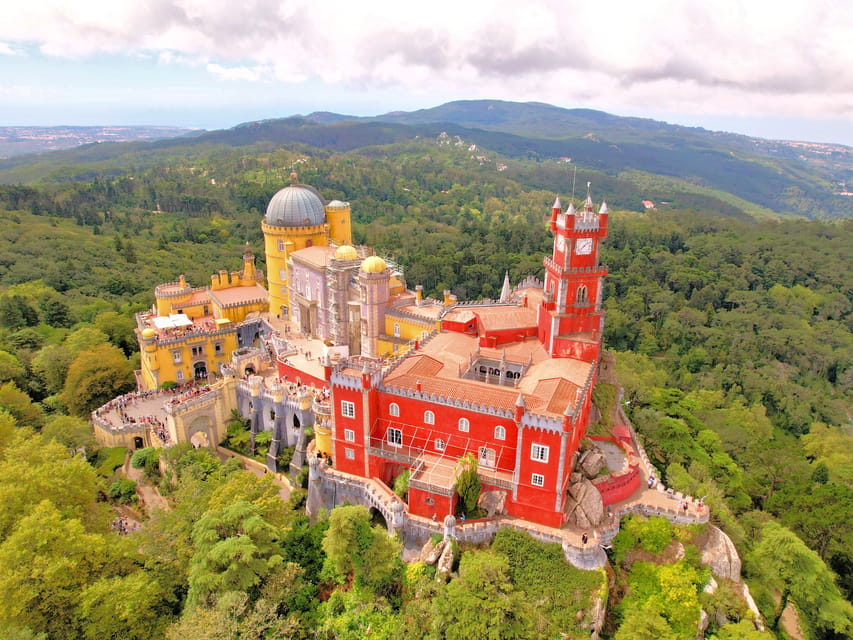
x=519 y=409
x=374 y=278
x=506 y=290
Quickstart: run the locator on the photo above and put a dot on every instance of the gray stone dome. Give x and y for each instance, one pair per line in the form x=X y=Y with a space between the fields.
x=296 y=206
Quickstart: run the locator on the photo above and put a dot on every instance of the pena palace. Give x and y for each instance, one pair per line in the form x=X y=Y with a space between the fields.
x=332 y=343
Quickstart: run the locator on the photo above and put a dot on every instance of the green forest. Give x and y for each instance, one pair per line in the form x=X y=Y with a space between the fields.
x=733 y=338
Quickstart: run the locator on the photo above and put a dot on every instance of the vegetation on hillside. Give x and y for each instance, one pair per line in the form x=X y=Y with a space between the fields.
x=733 y=340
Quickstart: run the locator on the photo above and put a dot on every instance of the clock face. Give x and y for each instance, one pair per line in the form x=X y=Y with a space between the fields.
x=583 y=246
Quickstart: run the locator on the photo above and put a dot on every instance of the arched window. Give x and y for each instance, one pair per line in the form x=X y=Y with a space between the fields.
x=439 y=444
x=396 y=329
x=429 y=417
x=394 y=410
x=500 y=433
x=581 y=296
x=464 y=425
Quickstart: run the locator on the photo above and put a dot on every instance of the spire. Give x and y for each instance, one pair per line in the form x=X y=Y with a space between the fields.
x=603 y=208
x=506 y=291
x=557 y=203
x=571 y=210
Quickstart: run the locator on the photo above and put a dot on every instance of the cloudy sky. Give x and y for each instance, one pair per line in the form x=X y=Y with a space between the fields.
x=772 y=68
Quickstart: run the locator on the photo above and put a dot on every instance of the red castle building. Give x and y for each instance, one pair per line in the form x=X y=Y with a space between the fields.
x=508 y=382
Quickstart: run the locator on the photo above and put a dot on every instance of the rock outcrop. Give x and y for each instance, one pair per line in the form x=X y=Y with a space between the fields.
x=445 y=562
x=492 y=502
x=432 y=551
x=591 y=462
x=719 y=553
x=584 y=507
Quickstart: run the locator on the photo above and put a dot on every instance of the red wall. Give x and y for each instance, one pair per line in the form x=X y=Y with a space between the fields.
x=616 y=488
x=356 y=466
x=442 y=505
x=293 y=374
x=417 y=434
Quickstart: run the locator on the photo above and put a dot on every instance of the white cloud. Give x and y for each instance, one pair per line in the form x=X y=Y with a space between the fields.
x=728 y=56
x=247 y=74
x=7 y=50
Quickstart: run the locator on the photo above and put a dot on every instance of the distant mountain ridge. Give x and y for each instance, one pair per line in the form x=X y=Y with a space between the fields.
x=800 y=178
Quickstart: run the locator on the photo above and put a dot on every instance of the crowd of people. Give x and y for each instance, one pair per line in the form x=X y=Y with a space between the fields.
x=124 y=526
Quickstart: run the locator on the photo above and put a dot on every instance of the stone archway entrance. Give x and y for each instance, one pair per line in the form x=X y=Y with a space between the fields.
x=199 y=440
x=200 y=432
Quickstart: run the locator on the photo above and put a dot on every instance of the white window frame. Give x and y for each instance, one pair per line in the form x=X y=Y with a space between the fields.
x=177 y=357
x=394 y=410
x=281 y=245
x=349 y=435
x=396 y=329
x=537 y=480
x=539 y=452
x=394 y=437
x=440 y=445
x=347 y=409
x=500 y=432
x=282 y=274
x=429 y=417
x=349 y=453
x=464 y=425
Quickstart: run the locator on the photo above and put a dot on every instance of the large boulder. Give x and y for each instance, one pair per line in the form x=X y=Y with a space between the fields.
x=584 y=507
x=445 y=562
x=432 y=551
x=592 y=462
x=719 y=553
x=492 y=502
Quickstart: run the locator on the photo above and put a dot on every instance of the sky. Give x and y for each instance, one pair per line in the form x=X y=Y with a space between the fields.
x=774 y=69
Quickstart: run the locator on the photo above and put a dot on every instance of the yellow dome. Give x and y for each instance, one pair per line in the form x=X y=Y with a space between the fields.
x=373 y=264
x=148 y=333
x=346 y=252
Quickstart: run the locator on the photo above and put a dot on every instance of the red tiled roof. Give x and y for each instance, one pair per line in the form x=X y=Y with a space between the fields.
x=501 y=318
x=316 y=256
x=234 y=296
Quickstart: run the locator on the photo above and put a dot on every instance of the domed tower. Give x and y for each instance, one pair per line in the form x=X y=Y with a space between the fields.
x=374 y=279
x=297 y=217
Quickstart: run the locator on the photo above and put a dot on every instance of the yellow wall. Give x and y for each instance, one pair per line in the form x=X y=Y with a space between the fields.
x=238 y=314
x=294 y=238
x=339 y=219
x=409 y=329
x=158 y=362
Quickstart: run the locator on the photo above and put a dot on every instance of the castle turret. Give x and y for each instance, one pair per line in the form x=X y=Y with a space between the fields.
x=373 y=278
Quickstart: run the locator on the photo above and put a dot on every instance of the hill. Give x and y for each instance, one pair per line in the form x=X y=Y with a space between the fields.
x=652 y=160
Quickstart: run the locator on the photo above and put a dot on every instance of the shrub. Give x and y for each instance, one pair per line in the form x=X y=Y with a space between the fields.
x=147 y=459
x=468 y=485
x=123 y=490
x=284 y=458
x=401 y=484
x=652 y=534
x=108 y=459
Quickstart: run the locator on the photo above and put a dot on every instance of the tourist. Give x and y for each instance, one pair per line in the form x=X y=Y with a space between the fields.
x=584 y=538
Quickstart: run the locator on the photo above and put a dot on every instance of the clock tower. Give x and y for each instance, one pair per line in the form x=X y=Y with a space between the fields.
x=570 y=316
